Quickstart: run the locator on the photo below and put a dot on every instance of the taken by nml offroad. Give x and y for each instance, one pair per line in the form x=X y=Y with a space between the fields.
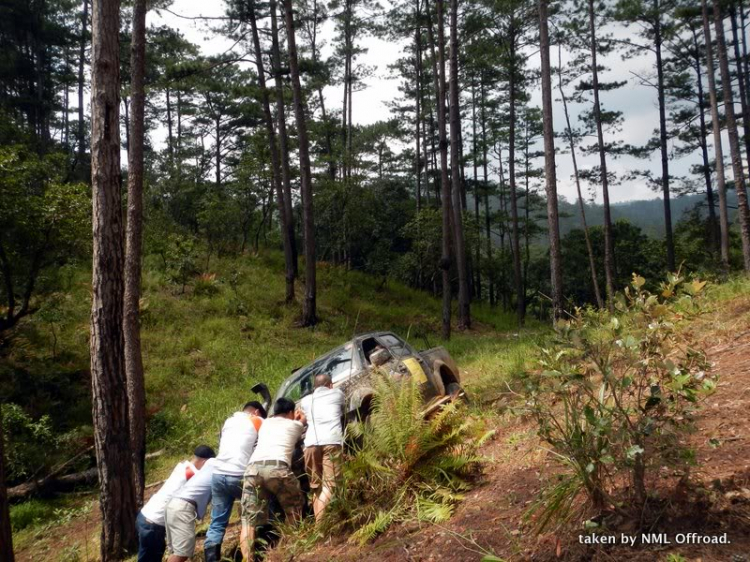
x=352 y=365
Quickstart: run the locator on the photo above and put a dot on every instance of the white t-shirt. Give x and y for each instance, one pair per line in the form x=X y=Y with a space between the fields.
x=324 y=410
x=156 y=507
x=198 y=488
x=238 y=437
x=276 y=440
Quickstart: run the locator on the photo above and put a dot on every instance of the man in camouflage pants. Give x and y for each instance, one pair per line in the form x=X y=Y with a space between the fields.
x=269 y=473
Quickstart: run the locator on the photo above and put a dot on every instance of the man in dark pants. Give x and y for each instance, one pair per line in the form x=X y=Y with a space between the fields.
x=238 y=437
x=150 y=521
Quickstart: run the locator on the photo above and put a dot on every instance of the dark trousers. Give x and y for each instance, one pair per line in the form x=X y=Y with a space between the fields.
x=152 y=540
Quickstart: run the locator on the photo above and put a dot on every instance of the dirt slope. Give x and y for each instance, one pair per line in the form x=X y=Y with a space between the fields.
x=490 y=520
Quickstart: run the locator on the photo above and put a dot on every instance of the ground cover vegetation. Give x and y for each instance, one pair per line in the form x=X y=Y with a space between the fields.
x=256 y=224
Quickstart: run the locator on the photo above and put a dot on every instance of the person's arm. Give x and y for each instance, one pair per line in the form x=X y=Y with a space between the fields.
x=299 y=415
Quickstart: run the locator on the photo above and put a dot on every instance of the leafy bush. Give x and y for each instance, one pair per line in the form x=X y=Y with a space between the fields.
x=206 y=285
x=616 y=395
x=27 y=442
x=404 y=465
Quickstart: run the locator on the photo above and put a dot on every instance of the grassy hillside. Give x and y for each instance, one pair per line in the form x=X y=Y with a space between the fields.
x=205 y=347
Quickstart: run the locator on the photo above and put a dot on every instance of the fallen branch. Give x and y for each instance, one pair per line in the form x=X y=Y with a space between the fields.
x=54 y=483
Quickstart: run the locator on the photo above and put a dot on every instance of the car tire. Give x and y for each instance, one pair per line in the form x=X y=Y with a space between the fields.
x=456 y=391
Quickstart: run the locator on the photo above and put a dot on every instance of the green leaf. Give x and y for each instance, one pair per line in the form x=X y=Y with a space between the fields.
x=634 y=450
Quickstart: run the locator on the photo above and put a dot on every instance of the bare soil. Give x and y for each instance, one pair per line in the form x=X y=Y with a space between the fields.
x=714 y=500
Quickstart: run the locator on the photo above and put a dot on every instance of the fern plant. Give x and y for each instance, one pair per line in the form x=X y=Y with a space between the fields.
x=404 y=466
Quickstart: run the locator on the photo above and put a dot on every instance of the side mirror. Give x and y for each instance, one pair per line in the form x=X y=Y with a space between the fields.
x=262 y=389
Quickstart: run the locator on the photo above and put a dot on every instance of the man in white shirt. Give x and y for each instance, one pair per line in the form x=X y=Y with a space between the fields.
x=324 y=410
x=187 y=506
x=150 y=521
x=270 y=473
x=238 y=437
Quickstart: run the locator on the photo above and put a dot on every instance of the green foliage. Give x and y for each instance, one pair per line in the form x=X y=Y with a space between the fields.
x=404 y=465
x=45 y=224
x=27 y=442
x=616 y=394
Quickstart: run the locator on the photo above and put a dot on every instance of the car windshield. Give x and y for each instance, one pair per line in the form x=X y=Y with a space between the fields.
x=339 y=364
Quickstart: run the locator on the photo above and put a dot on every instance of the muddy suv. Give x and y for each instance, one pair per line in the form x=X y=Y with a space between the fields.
x=351 y=366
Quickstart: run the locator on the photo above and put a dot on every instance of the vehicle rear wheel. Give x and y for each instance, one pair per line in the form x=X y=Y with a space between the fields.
x=456 y=392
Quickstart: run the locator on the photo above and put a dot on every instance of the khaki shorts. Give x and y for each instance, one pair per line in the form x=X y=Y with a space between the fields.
x=180 y=523
x=323 y=465
x=261 y=482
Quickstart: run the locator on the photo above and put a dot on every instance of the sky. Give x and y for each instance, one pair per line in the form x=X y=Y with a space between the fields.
x=637 y=102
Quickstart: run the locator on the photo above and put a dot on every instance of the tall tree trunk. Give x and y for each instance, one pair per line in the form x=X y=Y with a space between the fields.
x=475 y=165
x=275 y=158
x=668 y=236
x=309 y=315
x=82 y=84
x=218 y=149
x=464 y=298
x=170 y=136
x=417 y=101
x=109 y=383
x=6 y=534
x=734 y=141
x=609 y=251
x=581 y=205
x=438 y=70
x=133 y=252
x=516 y=241
x=713 y=224
x=718 y=149
x=286 y=173
x=741 y=80
x=549 y=166
x=486 y=189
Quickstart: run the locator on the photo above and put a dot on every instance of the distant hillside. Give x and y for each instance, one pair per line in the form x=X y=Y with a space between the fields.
x=647 y=214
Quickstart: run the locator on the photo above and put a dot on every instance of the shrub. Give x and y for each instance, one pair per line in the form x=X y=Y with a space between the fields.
x=615 y=396
x=404 y=465
x=27 y=442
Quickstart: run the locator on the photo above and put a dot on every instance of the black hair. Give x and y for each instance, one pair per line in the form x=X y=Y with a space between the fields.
x=257 y=405
x=283 y=406
x=204 y=452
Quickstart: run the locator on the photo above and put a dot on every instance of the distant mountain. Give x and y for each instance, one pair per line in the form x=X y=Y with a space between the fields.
x=647 y=214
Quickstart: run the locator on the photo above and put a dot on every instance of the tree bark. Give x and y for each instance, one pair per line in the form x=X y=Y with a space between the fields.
x=275 y=158
x=718 y=149
x=668 y=236
x=109 y=391
x=609 y=253
x=516 y=242
x=438 y=70
x=734 y=141
x=309 y=315
x=464 y=298
x=286 y=173
x=740 y=80
x=485 y=181
x=134 y=251
x=6 y=535
x=713 y=224
x=417 y=100
x=581 y=206
x=549 y=166
x=82 y=84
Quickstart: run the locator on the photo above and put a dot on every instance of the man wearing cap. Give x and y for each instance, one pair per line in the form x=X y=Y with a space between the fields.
x=150 y=521
x=270 y=474
x=187 y=506
x=238 y=437
x=324 y=410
